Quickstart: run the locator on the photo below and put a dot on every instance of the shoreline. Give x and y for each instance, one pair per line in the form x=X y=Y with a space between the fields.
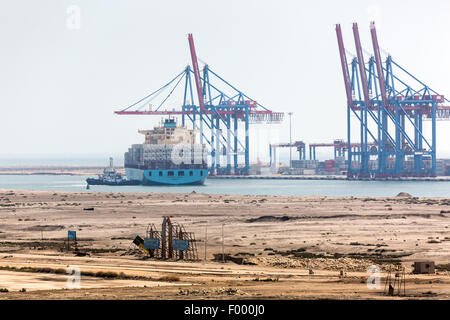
x=94 y=171
x=55 y=170
x=205 y=194
x=319 y=177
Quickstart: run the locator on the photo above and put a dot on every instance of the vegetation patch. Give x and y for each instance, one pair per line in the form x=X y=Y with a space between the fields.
x=98 y=274
x=270 y=219
x=169 y=278
x=266 y=280
x=379 y=257
x=443 y=267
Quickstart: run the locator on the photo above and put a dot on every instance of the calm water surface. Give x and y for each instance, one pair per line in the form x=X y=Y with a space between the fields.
x=241 y=186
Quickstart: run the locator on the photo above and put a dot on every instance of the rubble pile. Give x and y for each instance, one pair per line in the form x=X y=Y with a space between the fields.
x=218 y=291
x=348 y=264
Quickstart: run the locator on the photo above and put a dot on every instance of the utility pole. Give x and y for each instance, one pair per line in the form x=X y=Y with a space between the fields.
x=290 y=140
x=223 y=252
x=206 y=239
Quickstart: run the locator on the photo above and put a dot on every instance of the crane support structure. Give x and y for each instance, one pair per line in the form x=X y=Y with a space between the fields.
x=222 y=116
x=390 y=106
x=299 y=145
x=340 y=148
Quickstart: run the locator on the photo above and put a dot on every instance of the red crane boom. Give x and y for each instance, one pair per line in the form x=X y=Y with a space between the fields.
x=379 y=64
x=196 y=73
x=362 y=70
x=344 y=64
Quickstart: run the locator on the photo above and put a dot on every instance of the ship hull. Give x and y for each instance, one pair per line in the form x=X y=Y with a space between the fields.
x=99 y=182
x=168 y=176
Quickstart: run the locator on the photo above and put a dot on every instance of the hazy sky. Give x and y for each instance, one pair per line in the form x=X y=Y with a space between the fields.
x=59 y=85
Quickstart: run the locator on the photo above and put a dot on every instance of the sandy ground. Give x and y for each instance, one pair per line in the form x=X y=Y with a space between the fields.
x=283 y=237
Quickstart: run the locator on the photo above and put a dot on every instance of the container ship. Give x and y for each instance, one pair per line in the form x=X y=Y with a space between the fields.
x=169 y=156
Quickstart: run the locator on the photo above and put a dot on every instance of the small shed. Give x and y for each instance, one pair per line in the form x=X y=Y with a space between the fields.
x=424 y=267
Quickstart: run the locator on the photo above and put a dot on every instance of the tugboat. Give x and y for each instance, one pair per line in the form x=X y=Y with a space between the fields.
x=169 y=156
x=110 y=177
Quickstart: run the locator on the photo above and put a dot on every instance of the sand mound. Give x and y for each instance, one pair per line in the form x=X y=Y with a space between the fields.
x=404 y=195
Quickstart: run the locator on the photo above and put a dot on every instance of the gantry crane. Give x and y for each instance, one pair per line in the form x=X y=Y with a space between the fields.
x=299 y=145
x=221 y=112
x=390 y=105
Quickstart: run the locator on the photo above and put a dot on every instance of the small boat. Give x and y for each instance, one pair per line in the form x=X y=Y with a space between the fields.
x=111 y=177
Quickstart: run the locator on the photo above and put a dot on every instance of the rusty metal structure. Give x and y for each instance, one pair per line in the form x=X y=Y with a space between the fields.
x=173 y=242
x=395 y=283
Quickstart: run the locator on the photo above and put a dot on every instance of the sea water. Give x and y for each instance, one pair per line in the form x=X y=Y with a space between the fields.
x=241 y=186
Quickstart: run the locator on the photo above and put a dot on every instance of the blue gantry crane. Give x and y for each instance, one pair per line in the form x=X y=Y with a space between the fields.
x=220 y=114
x=299 y=145
x=390 y=106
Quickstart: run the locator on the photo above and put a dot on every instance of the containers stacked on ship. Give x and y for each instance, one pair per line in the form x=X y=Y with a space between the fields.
x=169 y=156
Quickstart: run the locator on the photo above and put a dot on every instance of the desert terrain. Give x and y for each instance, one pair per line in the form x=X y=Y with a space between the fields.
x=292 y=247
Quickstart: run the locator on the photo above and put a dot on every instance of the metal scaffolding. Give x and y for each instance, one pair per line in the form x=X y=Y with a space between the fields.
x=390 y=105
